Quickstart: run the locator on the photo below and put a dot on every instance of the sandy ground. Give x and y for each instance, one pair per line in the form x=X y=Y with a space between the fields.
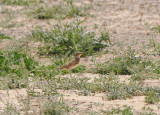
x=95 y=102
x=125 y=19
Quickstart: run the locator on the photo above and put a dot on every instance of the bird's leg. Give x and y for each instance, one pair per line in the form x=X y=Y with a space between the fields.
x=70 y=73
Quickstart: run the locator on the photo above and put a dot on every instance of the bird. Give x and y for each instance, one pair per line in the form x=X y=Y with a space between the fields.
x=73 y=63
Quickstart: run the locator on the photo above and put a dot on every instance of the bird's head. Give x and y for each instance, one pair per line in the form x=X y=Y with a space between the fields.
x=78 y=54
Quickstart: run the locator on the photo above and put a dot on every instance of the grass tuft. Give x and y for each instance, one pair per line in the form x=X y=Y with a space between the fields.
x=152 y=97
x=56 y=108
x=3 y=36
x=156 y=28
x=125 y=111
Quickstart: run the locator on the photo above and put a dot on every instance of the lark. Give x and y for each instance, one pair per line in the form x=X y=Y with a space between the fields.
x=73 y=63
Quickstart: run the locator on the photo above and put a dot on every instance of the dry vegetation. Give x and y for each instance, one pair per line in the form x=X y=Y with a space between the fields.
x=119 y=72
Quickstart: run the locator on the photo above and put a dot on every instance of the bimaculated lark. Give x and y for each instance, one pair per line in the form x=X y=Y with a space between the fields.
x=73 y=63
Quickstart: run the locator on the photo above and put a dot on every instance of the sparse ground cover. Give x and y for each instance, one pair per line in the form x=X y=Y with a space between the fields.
x=119 y=72
x=20 y=2
x=60 y=11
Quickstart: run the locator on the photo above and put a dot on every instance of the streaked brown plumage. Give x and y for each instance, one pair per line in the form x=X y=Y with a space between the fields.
x=74 y=63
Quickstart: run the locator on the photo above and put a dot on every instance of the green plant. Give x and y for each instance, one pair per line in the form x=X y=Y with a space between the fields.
x=59 y=11
x=12 y=81
x=91 y=113
x=138 y=77
x=68 y=39
x=128 y=64
x=19 y=2
x=156 y=28
x=3 y=36
x=7 y=21
x=126 y=111
x=75 y=11
x=15 y=67
x=155 y=45
x=151 y=97
x=105 y=37
x=55 y=107
x=79 y=69
x=119 y=65
x=46 y=71
x=114 y=89
x=122 y=90
x=10 y=110
x=147 y=111
x=45 y=12
x=12 y=60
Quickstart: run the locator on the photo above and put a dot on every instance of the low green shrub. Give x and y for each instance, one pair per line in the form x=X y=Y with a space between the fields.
x=152 y=97
x=13 y=62
x=125 y=111
x=3 y=36
x=129 y=64
x=15 y=68
x=55 y=107
x=65 y=40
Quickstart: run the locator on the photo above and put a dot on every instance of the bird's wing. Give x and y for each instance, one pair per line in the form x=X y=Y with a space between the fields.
x=69 y=64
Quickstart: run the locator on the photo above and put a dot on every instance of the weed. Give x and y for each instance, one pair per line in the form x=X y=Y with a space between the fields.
x=151 y=97
x=111 y=85
x=129 y=64
x=59 y=11
x=156 y=46
x=13 y=82
x=16 y=65
x=92 y=113
x=55 y=107
x=143 y=75
x=122 y=90
x=105 y=37
x=19 y=2
x=3 y=36
x=152 y=42
x=120 y=65
x=7 y=20
x=46 y=71
x=68 y=39
x=126 y=111
x=137 y=77
x=156 y=28
x=79 y=69
x=45 y=12
x=4 y=24
x=10 y=110
x=147 y=111
x=76 y=11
